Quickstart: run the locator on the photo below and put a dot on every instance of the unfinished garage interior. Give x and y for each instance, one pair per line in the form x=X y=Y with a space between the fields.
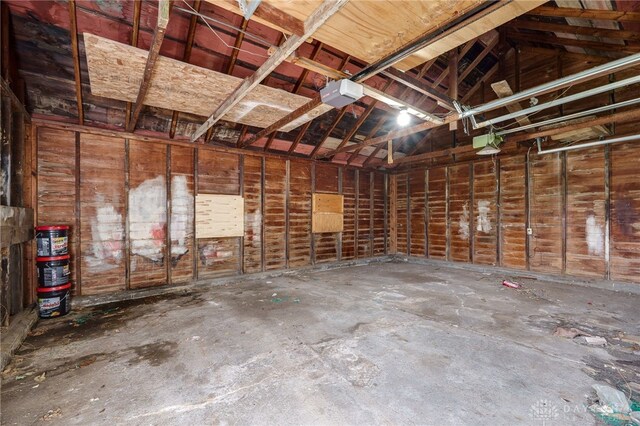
x=320 y=212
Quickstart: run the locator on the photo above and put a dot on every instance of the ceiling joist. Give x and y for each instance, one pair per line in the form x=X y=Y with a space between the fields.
x=315 y=21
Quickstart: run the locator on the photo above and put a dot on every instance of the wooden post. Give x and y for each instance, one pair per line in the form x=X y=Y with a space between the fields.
x=393 y=214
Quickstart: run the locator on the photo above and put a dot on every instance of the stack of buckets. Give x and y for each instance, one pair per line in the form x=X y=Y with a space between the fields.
x=54 y=288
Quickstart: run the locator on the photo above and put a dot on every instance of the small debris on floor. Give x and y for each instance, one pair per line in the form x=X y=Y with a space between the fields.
x=592 y=340
x=613 y=407
x=511 y=284
x=52 y=414
x=41 y=378
x=569 y=333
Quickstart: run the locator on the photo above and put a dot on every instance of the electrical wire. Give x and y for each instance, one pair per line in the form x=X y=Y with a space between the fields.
x=221 y=39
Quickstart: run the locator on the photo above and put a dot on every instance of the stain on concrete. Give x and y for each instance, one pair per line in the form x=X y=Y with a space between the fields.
x=156 y=353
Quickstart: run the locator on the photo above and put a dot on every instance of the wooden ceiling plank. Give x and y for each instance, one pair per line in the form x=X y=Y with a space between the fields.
x=315 y=21
x=185 y=58
x=566 y=12
x=135 y=32
x=502 y=89
x=574 y=29
x=164 y=9
x=267 y=13
x=73 y=29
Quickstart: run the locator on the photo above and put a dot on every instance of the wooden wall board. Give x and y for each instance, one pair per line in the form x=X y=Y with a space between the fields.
x=586 y=222
x=513 y=212
x=460 y=213
x=326 y=245
x=485 y=203
x=625 y=212
x=218 y=173
x=56 y=203
x=545 y=245
x=299 y=205
x=379 y=218
x=275 y=205
x=327 y=223
x=327 y=213
x=182 y=215
x=102 y=213
x=364 y=215
x=218 y=257
x=417 y=192
x=147 y=214
x=349 y=230
x=252 y=181
x=219 y=216
x=402 y=186
x=116 y=69
x=437 y=213
x=326 y=178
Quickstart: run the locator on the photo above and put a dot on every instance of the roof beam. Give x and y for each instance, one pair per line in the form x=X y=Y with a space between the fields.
x=573 y=29
x=298 y=138
x=326 y=135
x=419 y=86
x=315 y=21
x=296 y=89
x=566 y=12
x=630 y=47
x=185 y=58
x=487 y=49
x=620 y=117
x=135 y=32
x=73 y=29
x=371 y=134
x=268 y=15
x=164 y=9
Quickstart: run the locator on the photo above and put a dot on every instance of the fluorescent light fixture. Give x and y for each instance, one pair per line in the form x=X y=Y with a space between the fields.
x=403 y=118
x=488 y=150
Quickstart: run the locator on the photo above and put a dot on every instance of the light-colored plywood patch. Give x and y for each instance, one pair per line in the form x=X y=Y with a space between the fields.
x=328 y=213
x=116 y=69
x=219 y=216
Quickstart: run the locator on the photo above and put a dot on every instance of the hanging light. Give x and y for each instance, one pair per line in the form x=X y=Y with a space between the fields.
x=403 y=118
x=488 y=150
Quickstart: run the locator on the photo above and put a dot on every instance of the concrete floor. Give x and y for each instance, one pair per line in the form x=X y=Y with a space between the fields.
x=392 y=343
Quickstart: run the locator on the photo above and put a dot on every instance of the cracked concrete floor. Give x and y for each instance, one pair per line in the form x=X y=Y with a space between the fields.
x=391 y=343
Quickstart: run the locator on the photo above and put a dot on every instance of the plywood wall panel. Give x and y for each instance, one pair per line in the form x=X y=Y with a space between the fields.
x=326 y=245
x=252 y=181
x=102 y=191
x=625 y=212
x=401 y=212
x=218 y=173
x=57 y=185
x=485 y=213
x=586 y=220
x=182 y=214
x=545 y=245
x=147 y=214
x=275 y=213
x=437 y=211
x=364 y=214
x=299 y=218
x=348 y=233
x=512 y=212
x=460 y=215
x=379 y=240
x=417 y=193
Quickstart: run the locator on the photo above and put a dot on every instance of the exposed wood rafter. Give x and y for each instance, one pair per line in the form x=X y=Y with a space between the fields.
x=317 y=19
x=164 y=9
x=573 y=29
x=135 y=32
x=567 y=12
x=620 y=49
x=185 y=58
x=73 y=29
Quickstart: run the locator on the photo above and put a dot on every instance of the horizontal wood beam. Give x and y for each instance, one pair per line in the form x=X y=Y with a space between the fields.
x=164 y=9
x=315 y=21
x=573 y=29
x=620 y=117
x=567 y=12
x=443 y=99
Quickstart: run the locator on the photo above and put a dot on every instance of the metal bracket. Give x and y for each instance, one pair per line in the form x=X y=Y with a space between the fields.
x=248 y=7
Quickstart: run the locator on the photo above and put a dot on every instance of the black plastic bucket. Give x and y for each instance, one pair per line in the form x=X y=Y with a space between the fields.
x=53 y=271
x=54 y=301
x=52 y=240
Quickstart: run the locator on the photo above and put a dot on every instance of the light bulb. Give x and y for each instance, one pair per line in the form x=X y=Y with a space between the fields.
x=403 y=118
